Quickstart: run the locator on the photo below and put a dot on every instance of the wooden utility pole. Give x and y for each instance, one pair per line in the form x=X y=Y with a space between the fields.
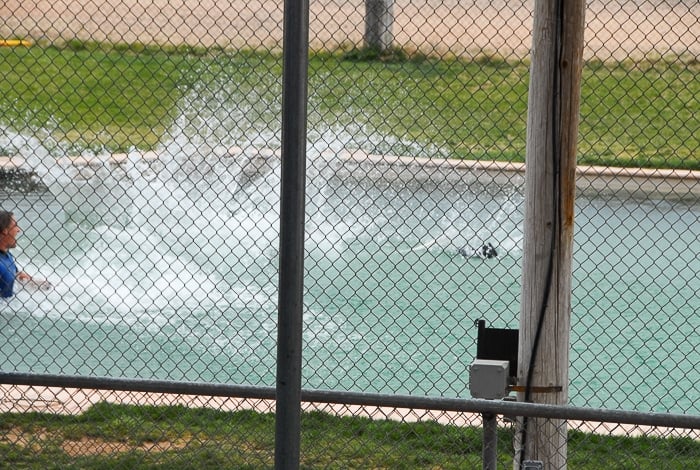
x=552 y=128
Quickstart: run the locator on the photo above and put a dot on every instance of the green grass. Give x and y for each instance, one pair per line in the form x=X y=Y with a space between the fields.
x=90 y=97
x=119 y=97
x=176 y=437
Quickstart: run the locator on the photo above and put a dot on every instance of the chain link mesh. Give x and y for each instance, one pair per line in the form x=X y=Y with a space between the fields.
x=139 y=153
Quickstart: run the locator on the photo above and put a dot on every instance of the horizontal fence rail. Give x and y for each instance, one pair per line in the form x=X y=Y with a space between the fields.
x=500 y=407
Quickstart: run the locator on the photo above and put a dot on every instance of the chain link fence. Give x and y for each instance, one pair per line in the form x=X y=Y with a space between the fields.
x=140 y=158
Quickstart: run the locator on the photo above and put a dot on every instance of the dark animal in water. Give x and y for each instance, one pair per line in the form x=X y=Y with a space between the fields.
x=485 y=251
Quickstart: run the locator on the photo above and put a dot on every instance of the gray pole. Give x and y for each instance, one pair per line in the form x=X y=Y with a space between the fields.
x=291 y=256
x=545 y=310
x=489 y=452
x=379 y=20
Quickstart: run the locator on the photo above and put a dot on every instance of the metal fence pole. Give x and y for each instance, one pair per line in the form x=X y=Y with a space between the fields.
x=489 y=452
x=291 y=257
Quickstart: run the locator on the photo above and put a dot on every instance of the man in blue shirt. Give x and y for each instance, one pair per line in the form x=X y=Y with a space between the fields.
x=8 y=269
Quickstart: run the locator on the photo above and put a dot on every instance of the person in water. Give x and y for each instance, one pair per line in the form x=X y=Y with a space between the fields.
x=8 y=269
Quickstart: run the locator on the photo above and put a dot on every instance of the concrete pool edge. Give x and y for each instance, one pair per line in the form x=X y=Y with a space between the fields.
x=590 y=180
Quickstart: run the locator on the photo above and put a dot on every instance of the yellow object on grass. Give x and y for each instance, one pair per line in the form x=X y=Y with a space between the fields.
x=14 y=42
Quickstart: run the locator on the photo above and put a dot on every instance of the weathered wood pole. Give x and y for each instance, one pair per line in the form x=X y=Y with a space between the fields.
x=379 y=19
x=552 y=127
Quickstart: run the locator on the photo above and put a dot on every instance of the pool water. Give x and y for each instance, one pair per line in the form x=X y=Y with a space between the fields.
x=168 y=269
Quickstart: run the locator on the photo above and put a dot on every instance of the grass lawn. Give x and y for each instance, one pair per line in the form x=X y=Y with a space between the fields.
x=120 y=97
x=149 y=437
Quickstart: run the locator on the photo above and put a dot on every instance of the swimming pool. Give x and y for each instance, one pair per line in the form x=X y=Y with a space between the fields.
x=169 y=271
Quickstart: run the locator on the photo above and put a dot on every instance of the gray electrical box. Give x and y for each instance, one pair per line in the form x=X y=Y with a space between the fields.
x=533 y=465
x=488 y=379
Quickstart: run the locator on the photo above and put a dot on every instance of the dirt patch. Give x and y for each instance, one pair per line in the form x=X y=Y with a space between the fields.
x=36 y=440
x=91 y=446
x=25 y=439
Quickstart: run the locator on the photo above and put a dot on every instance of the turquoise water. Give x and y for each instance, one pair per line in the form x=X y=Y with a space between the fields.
x=390 y=305
x=636 y=330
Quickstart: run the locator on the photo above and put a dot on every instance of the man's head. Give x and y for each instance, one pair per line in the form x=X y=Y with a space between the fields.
x=8 y=230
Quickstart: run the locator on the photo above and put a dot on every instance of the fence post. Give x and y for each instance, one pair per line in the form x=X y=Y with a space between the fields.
x=291 y=243
x=489 y=452
x=552 y=127
x=379 y=19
